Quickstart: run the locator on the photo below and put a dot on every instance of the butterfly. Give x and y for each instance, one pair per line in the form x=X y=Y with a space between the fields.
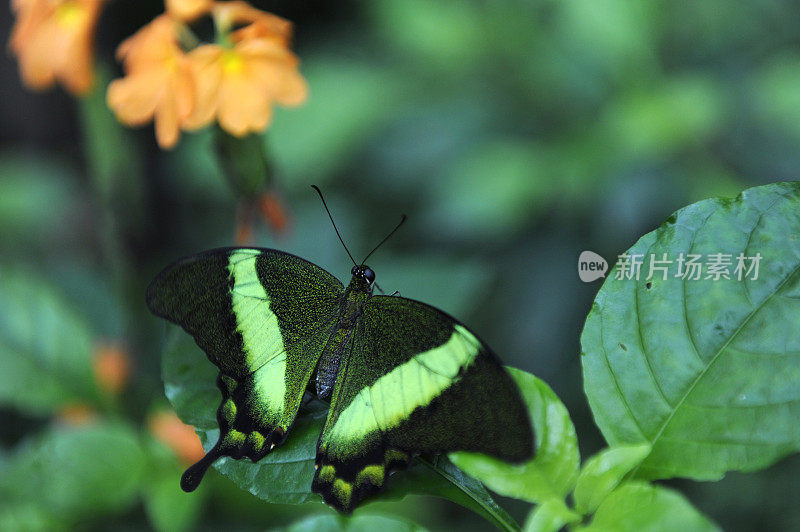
x=402 y=377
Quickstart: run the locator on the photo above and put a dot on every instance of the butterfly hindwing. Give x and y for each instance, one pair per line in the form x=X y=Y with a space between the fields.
x=415 y=381
x=262 y=317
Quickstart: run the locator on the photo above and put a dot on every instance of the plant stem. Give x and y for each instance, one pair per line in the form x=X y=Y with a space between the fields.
x=499 y=517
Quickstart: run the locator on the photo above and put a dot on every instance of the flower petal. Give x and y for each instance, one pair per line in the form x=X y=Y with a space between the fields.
x=155 y=42
x=282 y=82
x=168 y=127
x=188 y=10
x=228 y=14
x=205 y=64
x=243 y=106
x=36 y=59
x=134 y=98
x=76 y=69
x=54 y=40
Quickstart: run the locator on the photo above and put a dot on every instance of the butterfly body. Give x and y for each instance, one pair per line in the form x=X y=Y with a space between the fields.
x=354 y=298
x=401 y=376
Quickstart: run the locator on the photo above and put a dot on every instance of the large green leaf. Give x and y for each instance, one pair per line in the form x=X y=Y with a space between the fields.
x=46 y=347
x=603 y=472
x=705 y=371
x=73 y=473
x=639 y=507
x=284 y=476
x=553 y=470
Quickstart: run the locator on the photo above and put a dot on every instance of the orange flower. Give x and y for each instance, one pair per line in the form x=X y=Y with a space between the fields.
x=188 y=10
x=263 y=24
x=181 y=438
x=54 y=40
x=112 y=367
x=238 y=85
x=158 y=84
x=76 y=414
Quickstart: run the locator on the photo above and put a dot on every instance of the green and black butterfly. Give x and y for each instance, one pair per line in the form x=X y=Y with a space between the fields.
x=402 y=377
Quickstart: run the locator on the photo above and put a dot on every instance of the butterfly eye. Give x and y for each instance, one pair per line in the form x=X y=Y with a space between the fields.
x=355 y=270
x=369 y=275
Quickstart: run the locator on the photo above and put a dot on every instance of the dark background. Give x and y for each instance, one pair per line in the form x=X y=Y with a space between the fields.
x=514 y=135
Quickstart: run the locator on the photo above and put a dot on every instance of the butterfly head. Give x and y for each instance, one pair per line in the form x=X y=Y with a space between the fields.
x=363 y=272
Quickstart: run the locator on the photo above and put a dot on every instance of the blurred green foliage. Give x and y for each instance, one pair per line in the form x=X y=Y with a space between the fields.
x=514 y=134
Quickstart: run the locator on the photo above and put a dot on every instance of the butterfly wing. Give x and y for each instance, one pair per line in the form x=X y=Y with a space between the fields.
x=416 y=381
x=262 y=316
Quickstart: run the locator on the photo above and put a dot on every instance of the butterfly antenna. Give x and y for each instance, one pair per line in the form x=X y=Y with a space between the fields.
x=402 y=221
x=315 y=187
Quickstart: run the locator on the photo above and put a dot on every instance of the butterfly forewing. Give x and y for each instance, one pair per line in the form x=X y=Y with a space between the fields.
x=415 y=381
x=262 y=317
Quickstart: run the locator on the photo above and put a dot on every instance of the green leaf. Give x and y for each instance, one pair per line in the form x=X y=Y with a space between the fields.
x=284 y=476
x=603 y=472
x=553 y=470
x=75 y=473
x=663 y=119
x=244 y=161
x=637 y=506
x=550 y=516
x=705 y=371
x=45 y=346
x=492 y=208
x=36 y=193
x=349 y=102
x=441 y=478
x=114 y=161
x=281 y=477
x=357 y=523
x=29 y=517
x=168 y=507
x=450 y=47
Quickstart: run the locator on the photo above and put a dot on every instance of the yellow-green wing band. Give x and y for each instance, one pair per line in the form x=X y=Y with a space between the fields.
x=262 y=316
x=393 y=397
x=416 y=381
x=262 y=342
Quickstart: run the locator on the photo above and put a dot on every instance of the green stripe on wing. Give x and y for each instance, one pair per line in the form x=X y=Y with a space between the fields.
x=262 y=342
x=262 y=316
x=416 y=381
x=392 y=398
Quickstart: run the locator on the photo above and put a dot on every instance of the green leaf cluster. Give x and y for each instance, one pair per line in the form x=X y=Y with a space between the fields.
x=66 y=472
x=704 y=371
x=685 y=378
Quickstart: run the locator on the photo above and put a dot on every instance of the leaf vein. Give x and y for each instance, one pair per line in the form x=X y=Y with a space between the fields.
x=722 y=349
x=614 y=378
x=641 y=340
